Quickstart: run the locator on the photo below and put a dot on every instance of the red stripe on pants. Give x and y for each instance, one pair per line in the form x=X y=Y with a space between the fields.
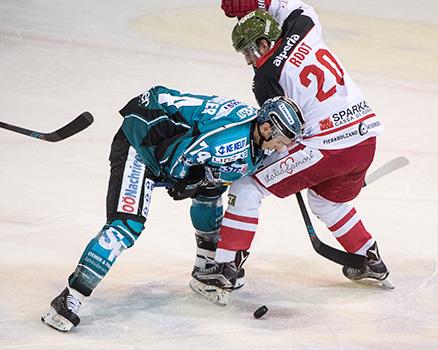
x=235 y=239
x=355 y=238
x=343 y=221
x=240 y=218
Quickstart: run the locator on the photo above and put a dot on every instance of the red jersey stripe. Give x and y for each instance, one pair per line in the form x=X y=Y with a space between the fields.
x=341 y=127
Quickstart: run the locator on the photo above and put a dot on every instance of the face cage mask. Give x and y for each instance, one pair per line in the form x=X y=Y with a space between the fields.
x=286 y=136
x=253 y=49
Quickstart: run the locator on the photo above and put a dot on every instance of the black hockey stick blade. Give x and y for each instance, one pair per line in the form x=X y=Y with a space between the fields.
x=80 y=123
x=333 y=254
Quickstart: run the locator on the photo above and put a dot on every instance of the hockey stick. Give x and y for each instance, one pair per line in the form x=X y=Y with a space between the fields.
x=339 y=256
x=385 y=169
x=78 y=124
x=333 y=254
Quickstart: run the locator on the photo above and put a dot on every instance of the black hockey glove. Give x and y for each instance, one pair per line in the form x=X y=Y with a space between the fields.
x=189 y=186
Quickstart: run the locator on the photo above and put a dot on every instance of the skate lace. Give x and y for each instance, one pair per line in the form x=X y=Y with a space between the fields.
x=73 y=304
x=211 y=269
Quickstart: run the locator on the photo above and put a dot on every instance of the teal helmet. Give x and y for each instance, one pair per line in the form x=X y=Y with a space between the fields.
x=284 y=116
x=256 y=25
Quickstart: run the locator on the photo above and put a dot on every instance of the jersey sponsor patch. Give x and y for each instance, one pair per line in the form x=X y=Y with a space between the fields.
x=231 y=147
x=326 y=124
x=231 y=158
x=130 y=192
x=148 y=188
x=350 y=114
x=234 y=168
x=246 y=112
x=288 y=166
x=284 y=54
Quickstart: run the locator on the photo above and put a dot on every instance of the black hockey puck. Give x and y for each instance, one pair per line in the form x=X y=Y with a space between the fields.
x=260 y=311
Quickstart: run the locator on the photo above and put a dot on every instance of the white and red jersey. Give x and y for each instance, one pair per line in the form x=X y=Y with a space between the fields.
x=302 y=67
x=338 y=145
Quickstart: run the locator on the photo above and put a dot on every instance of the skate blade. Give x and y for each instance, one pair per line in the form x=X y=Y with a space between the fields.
x=56 y=321
x=214 y=294
x=387 y=284
x=240 y=282
x=384 y=284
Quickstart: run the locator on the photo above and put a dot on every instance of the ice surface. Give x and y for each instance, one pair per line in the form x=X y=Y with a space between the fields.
x=59 y=58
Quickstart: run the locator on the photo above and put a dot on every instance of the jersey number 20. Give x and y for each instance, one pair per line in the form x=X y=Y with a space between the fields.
x=326 y=59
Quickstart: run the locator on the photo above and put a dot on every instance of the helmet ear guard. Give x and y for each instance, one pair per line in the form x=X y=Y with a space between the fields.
x=284 y=116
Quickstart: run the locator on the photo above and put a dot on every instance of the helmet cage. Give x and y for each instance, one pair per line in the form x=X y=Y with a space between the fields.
x=285 y=118
x=278 y=130
x=253 y=48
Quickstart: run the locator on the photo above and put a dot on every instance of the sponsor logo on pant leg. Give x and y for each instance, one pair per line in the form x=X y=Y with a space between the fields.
x=148 y=187
x=130 y=192
x=232 y=199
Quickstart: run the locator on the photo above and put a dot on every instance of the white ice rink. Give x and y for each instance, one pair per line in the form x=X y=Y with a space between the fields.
x=59 y=58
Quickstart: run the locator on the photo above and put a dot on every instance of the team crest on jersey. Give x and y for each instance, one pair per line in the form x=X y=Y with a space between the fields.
x=288 y=166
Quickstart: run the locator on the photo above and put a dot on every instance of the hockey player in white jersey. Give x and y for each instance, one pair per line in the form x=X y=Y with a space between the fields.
x=285 y=47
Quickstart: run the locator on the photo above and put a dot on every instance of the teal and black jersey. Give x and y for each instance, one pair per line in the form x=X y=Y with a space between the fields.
x=172 y=131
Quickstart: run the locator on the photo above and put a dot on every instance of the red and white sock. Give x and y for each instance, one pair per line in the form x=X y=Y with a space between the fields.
x=237 y=233
x=344 y=223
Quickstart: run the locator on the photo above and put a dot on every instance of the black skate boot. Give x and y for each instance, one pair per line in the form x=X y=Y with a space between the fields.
x=240 y=280
x=375 y=269
x=206 y=243
x=240 y=259
x=216 y=282
x=63 y=313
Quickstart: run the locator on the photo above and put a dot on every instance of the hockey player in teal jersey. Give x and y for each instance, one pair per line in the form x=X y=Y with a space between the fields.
x=197 y=145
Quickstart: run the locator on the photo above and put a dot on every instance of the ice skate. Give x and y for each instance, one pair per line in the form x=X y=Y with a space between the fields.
x=215 y=283
x=211 y=293
x=374 y=272
x=63 y=312
x=205 y=261
x=240 y=280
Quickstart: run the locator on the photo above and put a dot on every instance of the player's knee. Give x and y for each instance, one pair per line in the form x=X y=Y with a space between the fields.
x=206 y=213
x=101 y=253
x=124 y=231
x=327 y=211
x=115 y=237
x=319 y=205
